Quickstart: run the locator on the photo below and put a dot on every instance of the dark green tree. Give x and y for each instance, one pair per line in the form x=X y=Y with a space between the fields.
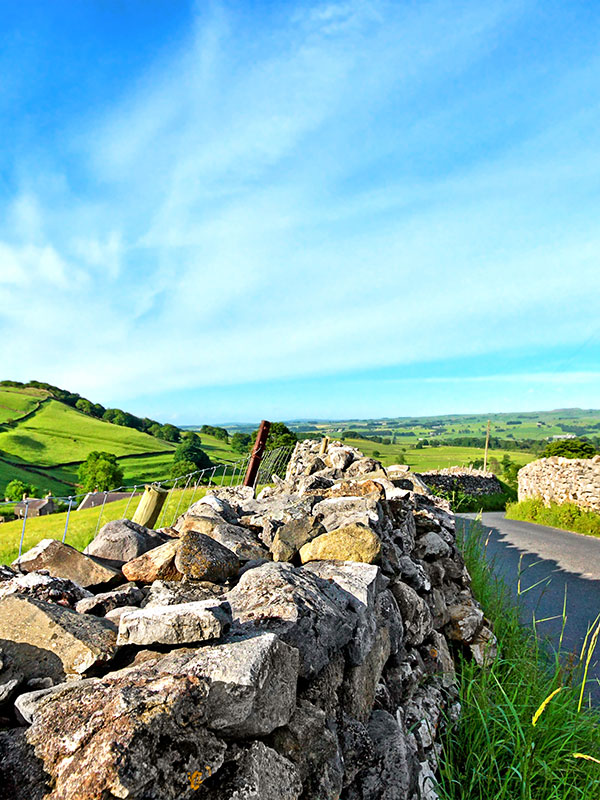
x=170 y=433
x=570 y=448
x=15 y=490
x=279 y=436
x=240 y=442
x=100 y=472
x=191 y=452
x=84 y=406
x=183 y=467
x=218 y=433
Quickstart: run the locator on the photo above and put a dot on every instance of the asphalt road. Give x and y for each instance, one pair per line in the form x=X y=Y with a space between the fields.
x=548 y=560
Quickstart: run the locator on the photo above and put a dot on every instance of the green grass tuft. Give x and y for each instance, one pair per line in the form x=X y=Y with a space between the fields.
x=462 y=503
x=567 y=516
x=494 y=752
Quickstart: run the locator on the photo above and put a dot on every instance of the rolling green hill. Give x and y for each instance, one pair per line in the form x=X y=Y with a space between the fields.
x=15 y=403
x=58 y=433
x=40 y=432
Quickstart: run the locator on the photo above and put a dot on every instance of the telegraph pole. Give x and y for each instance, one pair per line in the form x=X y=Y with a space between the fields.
x=487 y=444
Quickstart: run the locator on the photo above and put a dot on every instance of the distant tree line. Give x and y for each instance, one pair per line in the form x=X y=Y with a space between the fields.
x=218 y=433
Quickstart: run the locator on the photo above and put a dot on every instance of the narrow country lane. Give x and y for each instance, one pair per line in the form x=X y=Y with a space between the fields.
x=548 y=560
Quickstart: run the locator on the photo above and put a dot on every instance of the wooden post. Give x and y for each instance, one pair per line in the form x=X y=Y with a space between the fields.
x=324 y=445
x=150 y=505
x=257 y=453
x=487 y=444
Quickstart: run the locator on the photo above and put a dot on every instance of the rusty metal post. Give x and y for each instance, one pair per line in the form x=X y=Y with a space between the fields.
x=257 y=453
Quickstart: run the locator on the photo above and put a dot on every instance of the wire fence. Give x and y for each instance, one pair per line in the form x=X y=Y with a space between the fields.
x=69 y=519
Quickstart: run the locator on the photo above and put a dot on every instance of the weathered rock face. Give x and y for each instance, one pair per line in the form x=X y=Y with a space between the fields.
x=156 y=564
x=63 y=561
x=243 y=677
x=45 y=639
x=234 y=537
x=562 y=480
x=123 y=540
x=171 y=593
x=101 y=604
x=355 y=542
x=474 y=482
x=181 y=624
x=292 y=535
x=303 y=610
x=205 y=559
x=43 y=586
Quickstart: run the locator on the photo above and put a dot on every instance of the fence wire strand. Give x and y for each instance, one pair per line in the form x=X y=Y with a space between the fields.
x=233 y=474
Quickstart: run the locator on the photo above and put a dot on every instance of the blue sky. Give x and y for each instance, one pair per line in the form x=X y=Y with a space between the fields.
x=222 y=211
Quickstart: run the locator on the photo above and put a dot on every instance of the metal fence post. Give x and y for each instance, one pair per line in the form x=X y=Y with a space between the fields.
x=67 y=519
x=23 y=531
x=257 y=453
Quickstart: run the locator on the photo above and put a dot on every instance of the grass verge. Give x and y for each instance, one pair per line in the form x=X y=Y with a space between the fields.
x=567 y=516
x=495 y=751
x=462 y=503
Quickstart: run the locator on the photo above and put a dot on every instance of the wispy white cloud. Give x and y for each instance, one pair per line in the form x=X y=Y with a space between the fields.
x=312 y=195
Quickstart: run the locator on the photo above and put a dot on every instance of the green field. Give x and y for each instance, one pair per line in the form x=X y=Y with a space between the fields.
x=15 y=403
x=433 y=457
x=46 y=484
x=83 y=524
x=148 y=468
x=59 y=433
x=535 y=425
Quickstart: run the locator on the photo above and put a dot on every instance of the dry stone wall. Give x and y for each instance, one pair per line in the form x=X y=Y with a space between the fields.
x=473 y=482
x=297 y=645
x=562 y=480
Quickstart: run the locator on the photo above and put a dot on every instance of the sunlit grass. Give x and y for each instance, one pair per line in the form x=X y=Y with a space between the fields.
x=523 y=733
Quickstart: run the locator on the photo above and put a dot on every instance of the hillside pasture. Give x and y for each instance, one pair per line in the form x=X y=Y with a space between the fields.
x=15 y=403
x=44 y=484
x=83 y=524
x=59 y=434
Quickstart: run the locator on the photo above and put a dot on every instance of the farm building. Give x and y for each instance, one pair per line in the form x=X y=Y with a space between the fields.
x=35 y=507
x=93 y=499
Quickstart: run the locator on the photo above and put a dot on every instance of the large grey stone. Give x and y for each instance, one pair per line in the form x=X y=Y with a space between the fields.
x=135 y=734
x=336 y=512
x=431 y=546
x=305 y=611
x=313 y=748
x=388 y=777
x=257 y=772
x=252 y=682
x=45 y=639
x=172 y=593
x=101 y=604
x=339 y=457
x=292 y=535
x=416 y=616
x=234 y=537
x=361 y=583
x=205 y=559
x=43 y=586
x=123 y=540
x=63 y=561
x=188 y=622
